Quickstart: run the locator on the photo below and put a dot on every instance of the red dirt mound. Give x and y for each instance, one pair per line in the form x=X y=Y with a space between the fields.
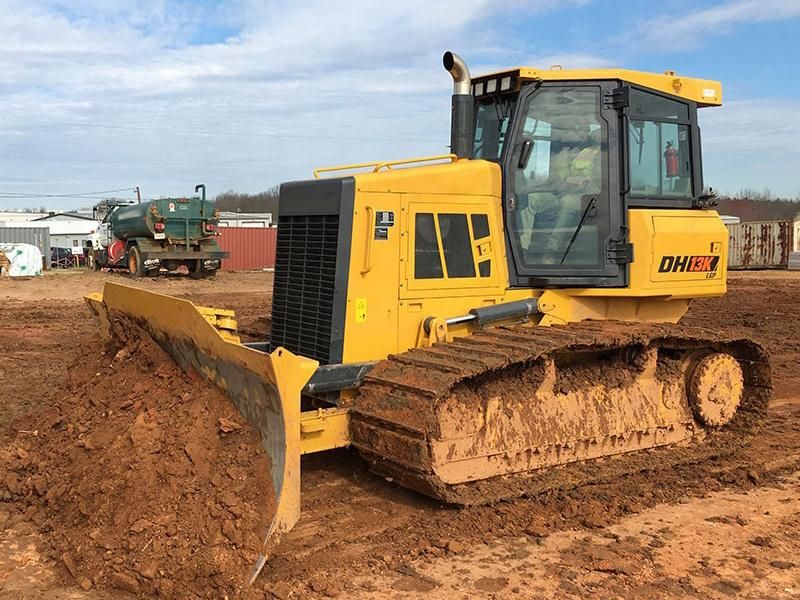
x=144 y=479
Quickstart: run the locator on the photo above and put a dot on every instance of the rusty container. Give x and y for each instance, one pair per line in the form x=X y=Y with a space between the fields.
x=760 y=244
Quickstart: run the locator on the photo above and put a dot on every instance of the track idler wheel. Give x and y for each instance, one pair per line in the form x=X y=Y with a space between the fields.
x=716 y=389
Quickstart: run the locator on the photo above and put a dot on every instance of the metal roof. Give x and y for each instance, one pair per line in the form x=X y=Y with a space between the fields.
x=705 y=92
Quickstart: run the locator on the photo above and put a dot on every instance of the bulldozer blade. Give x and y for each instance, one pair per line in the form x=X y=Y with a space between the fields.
x=265 y=388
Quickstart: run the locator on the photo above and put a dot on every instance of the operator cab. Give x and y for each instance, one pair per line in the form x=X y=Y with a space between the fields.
x=579 y=148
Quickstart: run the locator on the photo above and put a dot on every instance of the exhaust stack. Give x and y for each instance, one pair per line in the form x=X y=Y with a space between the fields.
x=462 y=111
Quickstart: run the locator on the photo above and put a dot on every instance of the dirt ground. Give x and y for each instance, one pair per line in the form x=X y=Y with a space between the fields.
x=729 y=528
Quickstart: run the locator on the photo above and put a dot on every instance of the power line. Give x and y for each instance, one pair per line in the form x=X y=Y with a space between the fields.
x=61 y=198
x=157 y=163
x=302 y=136
x=83 y=195
x=128 y=189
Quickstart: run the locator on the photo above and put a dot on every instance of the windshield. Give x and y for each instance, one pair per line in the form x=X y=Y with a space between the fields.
x=492 y=118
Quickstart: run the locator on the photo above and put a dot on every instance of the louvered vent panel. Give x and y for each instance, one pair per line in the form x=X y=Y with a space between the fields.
x=305 y=273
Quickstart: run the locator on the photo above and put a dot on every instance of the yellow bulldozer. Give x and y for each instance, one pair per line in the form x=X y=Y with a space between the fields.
x=501 y=319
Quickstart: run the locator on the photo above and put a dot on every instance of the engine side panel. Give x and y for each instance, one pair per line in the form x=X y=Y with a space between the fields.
x=387 y=300
x=681 y=252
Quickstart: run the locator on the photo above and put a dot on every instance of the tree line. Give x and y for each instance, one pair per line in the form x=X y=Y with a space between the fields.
x=263 y=202
x=755 y=205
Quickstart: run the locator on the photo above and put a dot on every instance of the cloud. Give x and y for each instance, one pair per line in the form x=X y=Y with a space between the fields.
x=570 y=61
x=102 y=94
x=752 y=144
x=99 y=95
x=692 y=30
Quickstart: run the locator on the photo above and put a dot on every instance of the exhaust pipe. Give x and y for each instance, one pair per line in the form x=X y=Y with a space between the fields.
x=462 y=108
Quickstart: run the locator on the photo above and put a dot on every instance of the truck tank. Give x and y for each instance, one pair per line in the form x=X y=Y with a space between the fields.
x=182 y=218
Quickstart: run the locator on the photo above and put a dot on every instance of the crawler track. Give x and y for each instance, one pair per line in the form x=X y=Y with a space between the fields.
x=519 y=410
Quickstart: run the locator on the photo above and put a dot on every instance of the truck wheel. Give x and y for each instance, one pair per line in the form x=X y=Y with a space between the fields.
x=196 y=269
x=135 y=264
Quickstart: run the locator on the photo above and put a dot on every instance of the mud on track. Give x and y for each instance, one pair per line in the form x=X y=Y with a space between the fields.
x=361 y=536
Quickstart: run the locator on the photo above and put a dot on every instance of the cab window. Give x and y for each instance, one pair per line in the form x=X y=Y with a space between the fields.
x=659 y=147
x=491 y=126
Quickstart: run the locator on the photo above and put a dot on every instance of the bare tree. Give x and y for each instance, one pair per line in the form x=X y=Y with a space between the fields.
x=752 y=194
x=238 y=202
x=750 y=205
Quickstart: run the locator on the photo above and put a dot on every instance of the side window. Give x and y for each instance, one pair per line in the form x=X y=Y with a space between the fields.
x=491 y=126
x=427 y=262
x=457 y=245
x=659 y=147
x=651 y=105
x=452 y=245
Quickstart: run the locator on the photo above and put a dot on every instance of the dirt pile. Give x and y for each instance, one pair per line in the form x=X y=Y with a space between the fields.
x=143 y=478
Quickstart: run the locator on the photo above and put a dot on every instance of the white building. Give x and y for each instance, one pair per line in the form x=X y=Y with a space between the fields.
x=67 y=230
x=70 y=234
x=9 y=217
x=237 y=219
x=66 y=216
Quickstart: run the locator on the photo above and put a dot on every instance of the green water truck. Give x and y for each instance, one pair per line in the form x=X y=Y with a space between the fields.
x=158 y=236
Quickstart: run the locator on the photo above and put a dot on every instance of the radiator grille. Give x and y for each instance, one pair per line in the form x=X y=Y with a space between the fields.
x=305 y=275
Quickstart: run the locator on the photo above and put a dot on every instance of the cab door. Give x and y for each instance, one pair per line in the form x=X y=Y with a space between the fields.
x=563 y=205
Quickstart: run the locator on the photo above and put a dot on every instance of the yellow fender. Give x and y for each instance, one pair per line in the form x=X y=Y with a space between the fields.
x=264 y=387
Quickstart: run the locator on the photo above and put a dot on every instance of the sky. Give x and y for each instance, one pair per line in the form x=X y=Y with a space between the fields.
x=100 y=95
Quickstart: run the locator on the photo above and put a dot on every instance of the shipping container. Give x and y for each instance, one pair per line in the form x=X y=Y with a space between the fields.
x=36 y=236
x=796 y=247
x=250 y=248
x=761 y=245
x=729 y=220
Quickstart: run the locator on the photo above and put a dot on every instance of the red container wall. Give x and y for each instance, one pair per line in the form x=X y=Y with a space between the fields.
x=250 y=248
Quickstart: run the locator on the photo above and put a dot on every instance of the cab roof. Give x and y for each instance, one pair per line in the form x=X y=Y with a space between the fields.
x=705 y=92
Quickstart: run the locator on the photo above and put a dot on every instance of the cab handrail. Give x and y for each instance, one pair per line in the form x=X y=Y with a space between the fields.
x=387 y=164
